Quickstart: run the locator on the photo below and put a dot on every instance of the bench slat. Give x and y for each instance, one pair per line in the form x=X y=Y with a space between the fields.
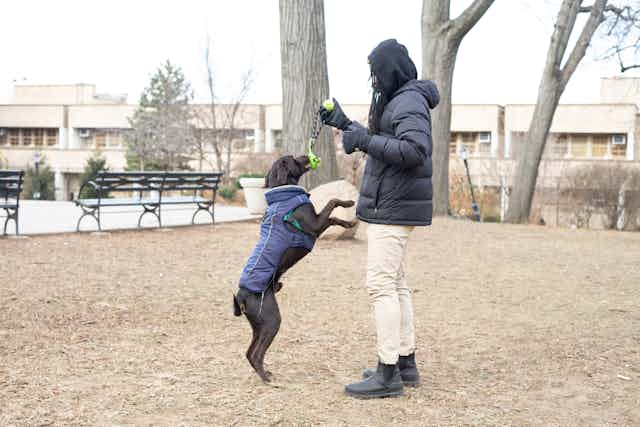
x=92 y=203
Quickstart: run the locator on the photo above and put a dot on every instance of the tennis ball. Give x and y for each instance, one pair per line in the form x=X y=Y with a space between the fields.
x=328 y=105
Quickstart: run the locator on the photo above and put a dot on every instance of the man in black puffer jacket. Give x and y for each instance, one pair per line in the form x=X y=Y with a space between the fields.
x=395 y=196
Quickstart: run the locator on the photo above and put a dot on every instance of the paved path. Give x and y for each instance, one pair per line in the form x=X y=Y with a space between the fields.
x=40 y=217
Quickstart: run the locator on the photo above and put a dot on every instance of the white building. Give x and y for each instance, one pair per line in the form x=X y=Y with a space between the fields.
x=68 y=123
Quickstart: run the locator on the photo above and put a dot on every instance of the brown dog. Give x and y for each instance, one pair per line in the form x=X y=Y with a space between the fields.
x=288 y=231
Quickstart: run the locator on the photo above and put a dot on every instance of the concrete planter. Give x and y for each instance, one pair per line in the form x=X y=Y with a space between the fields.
x=254 y=194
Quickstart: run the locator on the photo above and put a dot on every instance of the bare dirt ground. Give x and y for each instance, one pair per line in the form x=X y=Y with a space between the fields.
x=517 y=325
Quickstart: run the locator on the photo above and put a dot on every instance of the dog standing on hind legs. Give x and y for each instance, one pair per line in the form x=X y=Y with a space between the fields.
x=288 y=232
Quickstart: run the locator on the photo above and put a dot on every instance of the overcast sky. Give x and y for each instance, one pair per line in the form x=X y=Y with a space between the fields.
x=117 y=44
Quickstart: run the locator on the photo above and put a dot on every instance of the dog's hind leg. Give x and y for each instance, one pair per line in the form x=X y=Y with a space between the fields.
x=252 y=310
x=267 y=330
x=254 y=341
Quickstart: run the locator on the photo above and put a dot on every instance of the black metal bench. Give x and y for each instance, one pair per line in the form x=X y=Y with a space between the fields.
x=150 y=190
x=10 y=188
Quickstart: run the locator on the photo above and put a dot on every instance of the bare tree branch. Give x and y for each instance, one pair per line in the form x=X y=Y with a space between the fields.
x=623 y=30
x=561 y=33
x=596 y=17
x=467 y=19
x=609 y=8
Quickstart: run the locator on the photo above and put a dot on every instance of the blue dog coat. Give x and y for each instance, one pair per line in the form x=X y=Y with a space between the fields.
x=275 y=237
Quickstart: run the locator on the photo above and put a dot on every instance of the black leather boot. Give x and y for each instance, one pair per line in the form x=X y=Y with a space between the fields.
x=385 y=382
x=408 y=371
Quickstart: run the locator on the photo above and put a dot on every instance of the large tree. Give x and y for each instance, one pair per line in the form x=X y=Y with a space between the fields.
x=305 y=83
x=441 y=38
x=558 y=69
x=162 y=129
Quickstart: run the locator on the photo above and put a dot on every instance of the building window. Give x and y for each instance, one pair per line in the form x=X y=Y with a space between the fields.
x=4 y=140
x=277 y=139
x=27 y=138
x=37 y=135
x=100 y=140
x=586 y=146
x=242 y=139
x=560 y=146
x=52 y=137
x=580 y=145
x=453 y=144
x=599 y=146
x=14 y=136
x=484 y=143
x=619 y=146
x=114 y=139
x=477 y=143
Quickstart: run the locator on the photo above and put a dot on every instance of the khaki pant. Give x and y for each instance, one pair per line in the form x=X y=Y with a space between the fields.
x=388 y=290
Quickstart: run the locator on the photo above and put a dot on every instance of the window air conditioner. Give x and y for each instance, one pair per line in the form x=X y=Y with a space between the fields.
x=84 y=133
x=620 y=139
x=485 y=137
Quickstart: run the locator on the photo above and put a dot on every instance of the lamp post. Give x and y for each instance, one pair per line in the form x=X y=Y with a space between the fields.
x=474 y=205
x=36 y=189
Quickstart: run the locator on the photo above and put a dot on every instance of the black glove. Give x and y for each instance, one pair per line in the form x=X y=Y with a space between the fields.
x=336 y=117
x=355 y=138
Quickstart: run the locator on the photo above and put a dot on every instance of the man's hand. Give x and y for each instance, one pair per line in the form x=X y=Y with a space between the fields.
x=334 y=118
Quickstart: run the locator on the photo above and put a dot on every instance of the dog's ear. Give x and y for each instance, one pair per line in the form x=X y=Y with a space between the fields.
x=274 y=177
x=282 y=172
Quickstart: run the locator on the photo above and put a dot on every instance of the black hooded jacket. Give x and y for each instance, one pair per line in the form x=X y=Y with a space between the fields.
x=396 y=187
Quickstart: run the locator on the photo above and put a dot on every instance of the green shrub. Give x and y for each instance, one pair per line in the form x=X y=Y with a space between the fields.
x=228 y=192
x=95 y=164
x=42 y=182
x=491 y=218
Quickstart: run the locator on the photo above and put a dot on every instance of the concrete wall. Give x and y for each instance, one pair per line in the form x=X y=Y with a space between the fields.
x=588 y=118
x=100 y=116
x=37 y=116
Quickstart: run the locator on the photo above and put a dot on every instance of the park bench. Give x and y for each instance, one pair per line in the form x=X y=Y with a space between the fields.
x=10 y=188
x=150 y=190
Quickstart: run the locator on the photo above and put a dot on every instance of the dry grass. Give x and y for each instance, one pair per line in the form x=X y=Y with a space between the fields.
x=516 y=325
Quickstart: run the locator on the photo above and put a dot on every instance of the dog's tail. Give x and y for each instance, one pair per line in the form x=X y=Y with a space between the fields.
x=238 y=308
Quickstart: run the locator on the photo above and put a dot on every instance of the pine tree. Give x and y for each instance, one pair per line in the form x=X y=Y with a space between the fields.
x=162 y=133
x=95 y=164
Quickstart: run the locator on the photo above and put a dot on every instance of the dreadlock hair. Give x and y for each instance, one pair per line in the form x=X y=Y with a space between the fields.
x=378 y=101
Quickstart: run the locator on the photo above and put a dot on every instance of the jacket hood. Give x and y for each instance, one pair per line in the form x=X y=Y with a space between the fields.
x=426 y=88
x=392 y=67
x=284 y=192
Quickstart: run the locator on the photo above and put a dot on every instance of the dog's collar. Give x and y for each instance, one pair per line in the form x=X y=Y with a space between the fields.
x=287 y=187
x=284 y=192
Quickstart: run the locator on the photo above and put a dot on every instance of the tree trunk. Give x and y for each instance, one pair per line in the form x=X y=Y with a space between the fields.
x=439 y=60
x=526 y=172
x=552 y=84
x=441 y=38
x=305 y=84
